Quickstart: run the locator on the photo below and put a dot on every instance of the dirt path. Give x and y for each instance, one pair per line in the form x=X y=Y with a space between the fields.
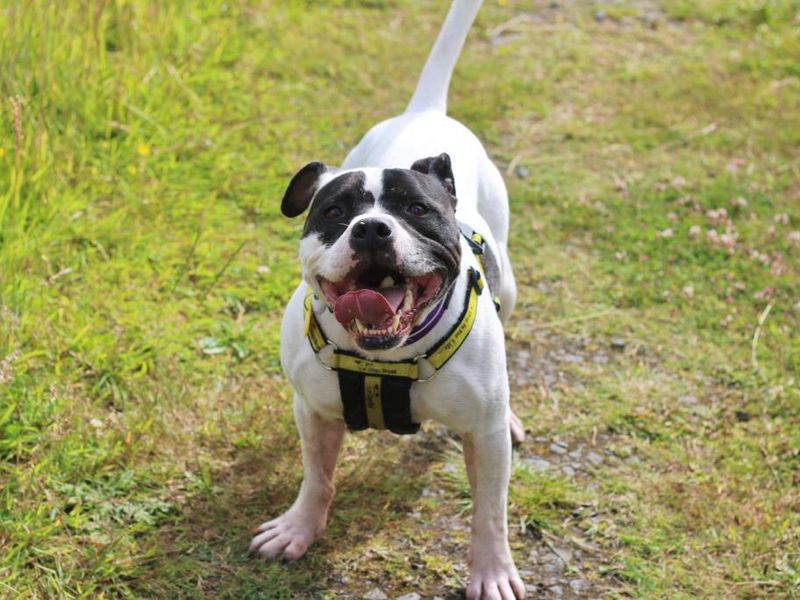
x=573 y=561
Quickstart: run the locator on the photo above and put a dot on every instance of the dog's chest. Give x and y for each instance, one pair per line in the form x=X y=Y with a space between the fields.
x=457 y=396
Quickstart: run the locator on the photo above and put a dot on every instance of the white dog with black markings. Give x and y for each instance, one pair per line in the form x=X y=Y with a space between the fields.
x=387 y=278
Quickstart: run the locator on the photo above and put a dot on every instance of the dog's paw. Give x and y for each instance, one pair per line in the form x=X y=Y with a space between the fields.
x=517 y=429
x=499 y=581
x=287 y=537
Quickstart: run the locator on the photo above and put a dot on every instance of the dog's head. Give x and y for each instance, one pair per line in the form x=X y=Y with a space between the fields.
x=379 y=245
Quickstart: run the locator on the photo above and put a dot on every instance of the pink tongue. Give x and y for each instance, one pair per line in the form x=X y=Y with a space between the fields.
x=370 y=307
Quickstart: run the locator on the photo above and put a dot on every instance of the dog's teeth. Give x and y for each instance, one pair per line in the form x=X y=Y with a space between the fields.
x=387 y=282
x=395 y=323
x=408 y=299
x=359 y=326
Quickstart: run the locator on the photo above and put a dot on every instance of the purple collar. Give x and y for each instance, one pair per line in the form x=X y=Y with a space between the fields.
x=424 y=328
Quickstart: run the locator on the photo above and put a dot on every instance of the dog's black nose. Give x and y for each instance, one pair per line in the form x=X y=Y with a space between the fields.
x=370 y=234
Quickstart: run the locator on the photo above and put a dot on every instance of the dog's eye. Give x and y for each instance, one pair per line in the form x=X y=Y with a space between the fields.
x=333 y=212
x=417 y=209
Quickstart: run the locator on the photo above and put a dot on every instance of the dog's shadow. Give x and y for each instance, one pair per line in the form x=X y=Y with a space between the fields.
x=205 y=546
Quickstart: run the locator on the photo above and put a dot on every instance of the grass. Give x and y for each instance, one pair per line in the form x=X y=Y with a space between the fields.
x=144 y=424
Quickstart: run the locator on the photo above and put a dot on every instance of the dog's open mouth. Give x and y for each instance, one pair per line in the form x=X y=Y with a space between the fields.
x=378 y=305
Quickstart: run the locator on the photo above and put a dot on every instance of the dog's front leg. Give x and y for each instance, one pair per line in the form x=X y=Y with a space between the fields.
x=289 y=535
x=493 y=575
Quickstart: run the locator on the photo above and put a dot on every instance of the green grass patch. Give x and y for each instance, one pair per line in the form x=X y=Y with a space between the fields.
x=652 y=162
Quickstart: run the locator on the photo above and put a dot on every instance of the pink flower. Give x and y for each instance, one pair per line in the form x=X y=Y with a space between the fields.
x=739 y=202
x=734 y=165
x=793 y=238
x=717 y=216
x=764 y=294
x=761 y=257
x=728 y=242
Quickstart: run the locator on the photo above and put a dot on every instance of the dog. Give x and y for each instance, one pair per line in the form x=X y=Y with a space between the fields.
x=406 y=285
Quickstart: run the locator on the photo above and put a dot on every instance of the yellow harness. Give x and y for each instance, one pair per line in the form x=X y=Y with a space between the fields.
x=376 y=393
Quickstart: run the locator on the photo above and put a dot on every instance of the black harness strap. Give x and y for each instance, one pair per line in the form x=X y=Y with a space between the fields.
x=396 y=401
x=351 y=387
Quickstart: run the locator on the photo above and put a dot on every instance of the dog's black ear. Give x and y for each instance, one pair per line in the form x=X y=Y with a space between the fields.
x=439 y=167
x=302 y=188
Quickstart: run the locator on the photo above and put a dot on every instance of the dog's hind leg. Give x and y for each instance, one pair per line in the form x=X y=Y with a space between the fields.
x=290 y=535
x=492 y=571
x=517 y=428
x=493 y=207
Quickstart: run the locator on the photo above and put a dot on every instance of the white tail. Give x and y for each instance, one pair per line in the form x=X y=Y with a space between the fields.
x=431 y=92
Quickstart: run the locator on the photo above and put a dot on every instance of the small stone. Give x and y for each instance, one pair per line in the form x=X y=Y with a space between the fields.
x=552 y=567
x=651 y=19
x=568 y=471
x=580 y=585
x=594 y=458
x=537 y=462
x=411 y=596
x=599 y=15
x=376 y=594
x=558 y=448
x=576 y=454
x=688 y=399
x=526 y=573
x=522 y=172
x=556 y=590
x=742 y=416
x=540 y=439
x=618 y=344
x=563 y=553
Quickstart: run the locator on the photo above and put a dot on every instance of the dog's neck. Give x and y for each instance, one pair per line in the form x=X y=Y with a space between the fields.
x=425 y=337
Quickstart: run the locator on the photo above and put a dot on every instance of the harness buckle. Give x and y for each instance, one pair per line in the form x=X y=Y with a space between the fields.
x=433 y=369
x=318 y=356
